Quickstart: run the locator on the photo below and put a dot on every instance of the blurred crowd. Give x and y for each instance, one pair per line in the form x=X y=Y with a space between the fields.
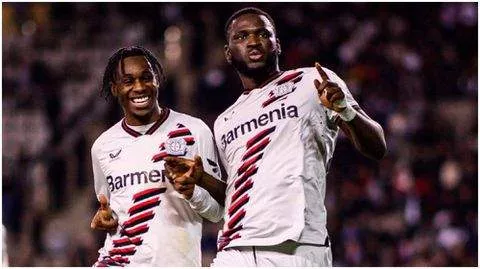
x=412 y=66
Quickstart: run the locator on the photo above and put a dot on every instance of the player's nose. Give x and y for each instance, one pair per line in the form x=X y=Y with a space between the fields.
x=138 y=85
x=253 y=40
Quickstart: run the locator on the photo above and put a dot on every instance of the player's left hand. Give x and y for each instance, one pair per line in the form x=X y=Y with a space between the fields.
x=103 y=219
x=184 y=174
x=329 y=93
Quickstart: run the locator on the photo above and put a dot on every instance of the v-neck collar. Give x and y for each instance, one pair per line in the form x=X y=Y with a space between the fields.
x=163 y=116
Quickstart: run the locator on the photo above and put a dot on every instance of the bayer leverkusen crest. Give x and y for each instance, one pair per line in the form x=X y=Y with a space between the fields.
x=283 y=89
x=176 y=146
x=279 y=92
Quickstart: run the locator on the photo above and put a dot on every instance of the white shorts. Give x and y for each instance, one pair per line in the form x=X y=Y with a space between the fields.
x=288 y=253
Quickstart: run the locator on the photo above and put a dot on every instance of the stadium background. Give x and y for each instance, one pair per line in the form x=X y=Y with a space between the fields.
x=412 y=66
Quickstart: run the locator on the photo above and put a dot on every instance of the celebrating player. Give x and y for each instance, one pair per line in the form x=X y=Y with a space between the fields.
x=150 y=221
x=276 y=142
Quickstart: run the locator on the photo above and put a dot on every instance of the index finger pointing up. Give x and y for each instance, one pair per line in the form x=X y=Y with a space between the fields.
x=321 y=71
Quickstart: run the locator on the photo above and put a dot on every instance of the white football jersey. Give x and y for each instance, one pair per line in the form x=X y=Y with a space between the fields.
x=157 y=226
x=276 y=142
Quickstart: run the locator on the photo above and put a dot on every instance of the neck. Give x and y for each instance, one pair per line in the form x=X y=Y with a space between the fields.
x=137 y=120
x=252 y=81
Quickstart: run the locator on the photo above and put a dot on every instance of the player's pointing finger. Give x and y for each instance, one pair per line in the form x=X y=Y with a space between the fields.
x=320 y=70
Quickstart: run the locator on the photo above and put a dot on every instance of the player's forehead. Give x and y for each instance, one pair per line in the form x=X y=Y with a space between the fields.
x=133 y=64
x=250 y=21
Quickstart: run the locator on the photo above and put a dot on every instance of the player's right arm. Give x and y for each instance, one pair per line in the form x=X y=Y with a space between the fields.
x=366 y=134
x=104 y=218
x=184 y=172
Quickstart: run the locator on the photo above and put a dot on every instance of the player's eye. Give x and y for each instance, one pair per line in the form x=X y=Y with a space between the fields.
x=147 y=77
x=264 y=34
x=240 y=36
x=127 y=81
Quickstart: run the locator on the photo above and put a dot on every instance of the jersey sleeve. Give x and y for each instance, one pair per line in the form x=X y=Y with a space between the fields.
x=208 y=151
x=219 y=146
x=100 y=182
x=202 y=202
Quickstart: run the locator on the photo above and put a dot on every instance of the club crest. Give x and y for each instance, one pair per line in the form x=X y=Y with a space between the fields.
x=283 y=89
x=176 y=146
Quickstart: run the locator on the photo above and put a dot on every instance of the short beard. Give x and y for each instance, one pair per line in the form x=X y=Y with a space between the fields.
x=270 y=63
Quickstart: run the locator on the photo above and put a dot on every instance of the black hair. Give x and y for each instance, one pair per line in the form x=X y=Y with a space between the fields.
x=118 y=56
x=247 y=10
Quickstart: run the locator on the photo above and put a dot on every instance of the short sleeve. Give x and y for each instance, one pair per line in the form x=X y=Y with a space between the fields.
x=100 y=182
x=208 y=151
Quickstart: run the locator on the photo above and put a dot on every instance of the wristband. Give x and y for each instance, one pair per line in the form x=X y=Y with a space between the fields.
x=348 y=113
x=198 y=195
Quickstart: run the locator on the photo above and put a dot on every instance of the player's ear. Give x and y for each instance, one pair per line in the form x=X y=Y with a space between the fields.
x=279 y=48
x=113 y=89
x=228 y=54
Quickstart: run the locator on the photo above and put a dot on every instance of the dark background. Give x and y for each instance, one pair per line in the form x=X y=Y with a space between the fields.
x=413 y=67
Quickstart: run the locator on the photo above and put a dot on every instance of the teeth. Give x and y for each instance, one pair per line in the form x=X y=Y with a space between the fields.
x=140 y=99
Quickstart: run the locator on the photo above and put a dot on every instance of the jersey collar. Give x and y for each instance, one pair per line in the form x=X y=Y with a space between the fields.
x=272 y=78
x=163 y=116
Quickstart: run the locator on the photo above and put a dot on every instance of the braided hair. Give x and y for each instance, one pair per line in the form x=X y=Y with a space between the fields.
x=118 y=56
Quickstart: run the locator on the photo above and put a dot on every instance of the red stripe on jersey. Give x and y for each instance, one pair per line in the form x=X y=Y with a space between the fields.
x=121 y=259
x=234 y=207
x=235 y=219
x=227 y=241
x=248 y=163
x=136 y=241
x=271 y=100
x=190 y=140
x=250 y=172
x=248 y=185
x=232 y=231
x=259 y=136
x=122 y=251
x=289 y=77
x=159 y=156
x=260 y=146
x=108 y=261
x=144 y=206
x=147 y=193
x=297 y=79
x=135 y=231
x=179 y=132
x=127 y=241
x=139 y=219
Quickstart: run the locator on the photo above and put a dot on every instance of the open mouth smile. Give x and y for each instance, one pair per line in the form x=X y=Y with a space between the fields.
x=139 y=100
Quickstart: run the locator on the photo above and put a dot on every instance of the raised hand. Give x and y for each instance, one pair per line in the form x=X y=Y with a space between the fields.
x=103 y=219
x=184 y=174
x=330 y=94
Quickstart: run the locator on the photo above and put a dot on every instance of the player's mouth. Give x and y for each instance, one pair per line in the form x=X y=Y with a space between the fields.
x=255 y=55
x=140 y=101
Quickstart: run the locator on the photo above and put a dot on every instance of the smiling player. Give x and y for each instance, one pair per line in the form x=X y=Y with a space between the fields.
x=150 y=221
